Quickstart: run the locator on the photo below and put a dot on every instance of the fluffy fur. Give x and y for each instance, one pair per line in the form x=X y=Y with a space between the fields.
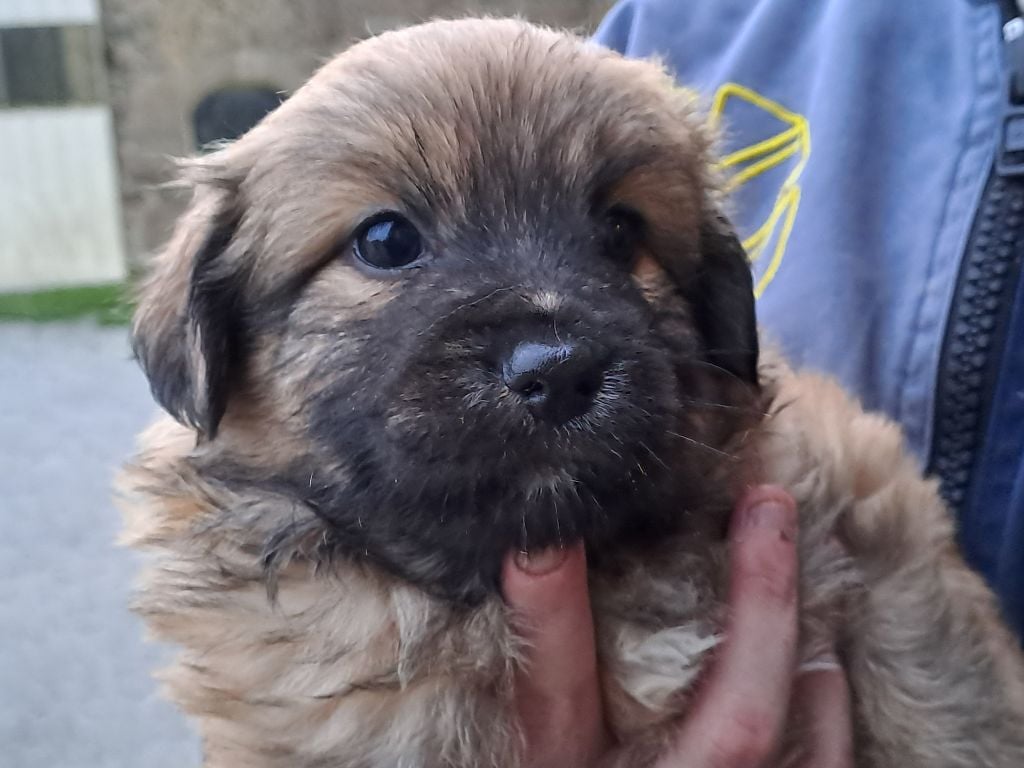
x=329 y=509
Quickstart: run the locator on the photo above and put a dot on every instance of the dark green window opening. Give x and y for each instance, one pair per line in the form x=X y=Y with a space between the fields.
x=43 y=66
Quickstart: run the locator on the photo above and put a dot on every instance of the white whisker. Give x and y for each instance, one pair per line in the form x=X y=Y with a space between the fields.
x=699 y=444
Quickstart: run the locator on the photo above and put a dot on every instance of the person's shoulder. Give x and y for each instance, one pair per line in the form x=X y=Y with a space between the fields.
x=641 y=27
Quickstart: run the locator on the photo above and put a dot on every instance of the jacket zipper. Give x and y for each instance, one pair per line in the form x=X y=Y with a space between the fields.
x=975 y=336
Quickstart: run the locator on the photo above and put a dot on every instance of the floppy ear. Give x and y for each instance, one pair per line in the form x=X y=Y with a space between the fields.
x=186 y=333
x=722 y=296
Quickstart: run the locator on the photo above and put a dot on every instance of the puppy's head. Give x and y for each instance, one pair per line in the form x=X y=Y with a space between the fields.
x=473 y=276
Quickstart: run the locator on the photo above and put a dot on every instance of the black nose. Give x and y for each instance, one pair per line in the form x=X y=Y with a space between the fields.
x=557 y=382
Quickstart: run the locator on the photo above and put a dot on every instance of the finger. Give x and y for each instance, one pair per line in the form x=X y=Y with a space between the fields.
x=821 y=708
x=557 y=691
x=739 y=714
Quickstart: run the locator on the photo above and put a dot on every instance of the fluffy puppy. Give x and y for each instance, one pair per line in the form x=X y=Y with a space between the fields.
x=470 y=290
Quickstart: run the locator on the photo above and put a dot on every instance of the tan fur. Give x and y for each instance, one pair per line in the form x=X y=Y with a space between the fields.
x=342 y=665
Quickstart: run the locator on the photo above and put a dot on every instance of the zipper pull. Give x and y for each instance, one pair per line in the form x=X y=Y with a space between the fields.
x=1010 y=156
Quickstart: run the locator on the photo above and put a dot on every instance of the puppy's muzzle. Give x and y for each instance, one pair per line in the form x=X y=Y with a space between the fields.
x=556 y=382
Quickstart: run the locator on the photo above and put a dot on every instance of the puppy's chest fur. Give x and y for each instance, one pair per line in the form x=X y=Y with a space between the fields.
x=343 y=665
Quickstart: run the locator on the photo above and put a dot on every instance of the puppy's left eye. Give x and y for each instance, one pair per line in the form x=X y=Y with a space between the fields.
x=623 y=230
x=387 y=241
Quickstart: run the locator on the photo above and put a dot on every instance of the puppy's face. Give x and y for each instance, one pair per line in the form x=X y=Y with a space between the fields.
x=471 y=281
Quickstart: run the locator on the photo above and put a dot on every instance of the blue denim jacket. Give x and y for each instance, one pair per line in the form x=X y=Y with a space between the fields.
x=858 y=137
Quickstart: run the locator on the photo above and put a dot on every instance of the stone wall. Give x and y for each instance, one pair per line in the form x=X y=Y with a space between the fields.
x=164 y=57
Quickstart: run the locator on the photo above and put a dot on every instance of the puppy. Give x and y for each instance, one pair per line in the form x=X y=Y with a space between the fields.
x=471 y=290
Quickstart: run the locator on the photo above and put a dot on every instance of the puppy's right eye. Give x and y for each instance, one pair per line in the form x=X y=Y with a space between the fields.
x=387 y=241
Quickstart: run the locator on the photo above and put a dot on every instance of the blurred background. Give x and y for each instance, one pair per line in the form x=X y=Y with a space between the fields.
x=96 y=98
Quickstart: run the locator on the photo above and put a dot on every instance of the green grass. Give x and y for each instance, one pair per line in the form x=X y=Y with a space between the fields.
x=107 y=304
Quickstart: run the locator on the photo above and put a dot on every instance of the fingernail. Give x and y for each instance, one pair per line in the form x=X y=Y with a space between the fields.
x=540 y=563
x=770 y=513
x=825 y=662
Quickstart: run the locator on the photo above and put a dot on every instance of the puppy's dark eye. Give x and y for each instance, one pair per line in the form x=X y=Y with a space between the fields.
x=387 y=241
x=623 y=230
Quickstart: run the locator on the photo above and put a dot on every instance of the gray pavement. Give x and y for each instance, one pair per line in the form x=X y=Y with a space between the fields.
x=75 y=684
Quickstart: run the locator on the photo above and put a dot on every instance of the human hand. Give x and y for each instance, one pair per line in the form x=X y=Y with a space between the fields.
x=739 y=713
